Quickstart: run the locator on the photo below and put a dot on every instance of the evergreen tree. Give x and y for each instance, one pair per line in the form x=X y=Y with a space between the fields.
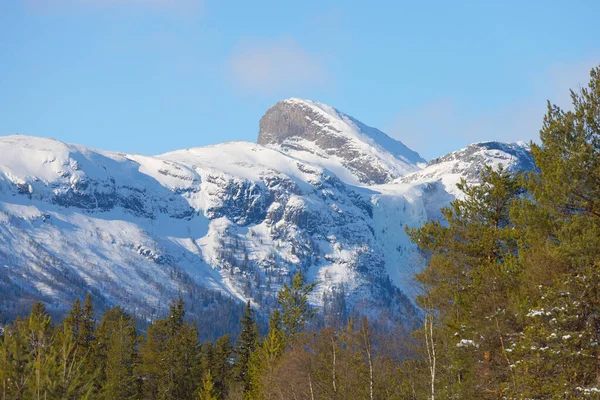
x=246 y=345
x=558 y=354
x=221 y=367
x=85 y=338
x=115 y=355
x=5 y=364
x=207 y=390
x=14 y=358
x=511 y=293
x=75 y=380
x=168 y=358
x=41 y=367
x=74 y=321
x=74 y=352
x=293 y=301
x=471 y=278
x=263 y=361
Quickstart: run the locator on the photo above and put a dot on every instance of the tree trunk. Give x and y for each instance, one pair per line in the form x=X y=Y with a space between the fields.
x=333 y=381
x=366 y=334
x=431 y=357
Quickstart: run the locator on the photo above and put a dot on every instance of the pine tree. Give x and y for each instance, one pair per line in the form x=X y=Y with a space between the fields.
x=558 y=353
x=74 y=320
x=471 y=277
x=41 y=367
x=263 y=361
x=207 y=390
x=14 y=360
x=74 y=352
x=293 y=301
x=221 y=365
x=168 y=358
x=246 y=345
x=5 y=364
x=115 y=355
x=88 y=324
x=75 y=380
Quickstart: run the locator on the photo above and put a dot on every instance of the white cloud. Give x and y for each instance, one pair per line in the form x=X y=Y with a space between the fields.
x=271 y=66
x=444 y=125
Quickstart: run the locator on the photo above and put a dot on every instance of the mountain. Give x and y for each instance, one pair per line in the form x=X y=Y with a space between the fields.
x=468 y=163
x=324 y=136
x=227 y=223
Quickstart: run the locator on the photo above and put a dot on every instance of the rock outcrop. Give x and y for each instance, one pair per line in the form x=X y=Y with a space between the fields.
x=299 y=127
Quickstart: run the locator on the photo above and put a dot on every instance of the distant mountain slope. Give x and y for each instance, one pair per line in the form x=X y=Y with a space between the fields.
x=236 y=218
x=223 y=224
x=469 y=162
x=323 y=135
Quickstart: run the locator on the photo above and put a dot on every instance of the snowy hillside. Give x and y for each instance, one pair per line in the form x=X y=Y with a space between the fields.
x=227 y=223
x=469 y=162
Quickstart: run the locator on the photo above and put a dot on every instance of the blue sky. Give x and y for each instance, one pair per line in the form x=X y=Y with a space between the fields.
x=149 y=76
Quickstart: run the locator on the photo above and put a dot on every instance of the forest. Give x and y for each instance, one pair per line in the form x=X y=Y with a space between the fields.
x=510 y=300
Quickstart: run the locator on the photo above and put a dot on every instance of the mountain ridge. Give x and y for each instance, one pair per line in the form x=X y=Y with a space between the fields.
x=303 y=128
x=221 y=224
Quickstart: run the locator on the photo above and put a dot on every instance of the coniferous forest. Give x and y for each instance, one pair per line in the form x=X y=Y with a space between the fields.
x=510 y=300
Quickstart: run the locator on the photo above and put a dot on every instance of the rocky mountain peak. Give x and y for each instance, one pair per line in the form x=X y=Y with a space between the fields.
x=321 y=134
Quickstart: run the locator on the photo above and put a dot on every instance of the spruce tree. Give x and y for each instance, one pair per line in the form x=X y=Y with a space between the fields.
x=88 y=324
x=15 y=353
x=42 y=368
x=168 y=357
x=246 y=345
x=75 y=379
x=264 y=360
x=221 y=367
x=74 y=320
x=293 y=300
x=207 y=389
x=115 y=355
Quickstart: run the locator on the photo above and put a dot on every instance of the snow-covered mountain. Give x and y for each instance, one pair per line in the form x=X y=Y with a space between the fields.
x=227 y=223
x=468 y=163
x=322 y=135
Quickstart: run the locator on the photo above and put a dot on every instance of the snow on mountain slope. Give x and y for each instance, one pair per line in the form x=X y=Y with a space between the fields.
x=415 y=198
x=469 y=162
x=74 y=219
x=315 y=132
x=226 y=223
x=237 y=218
x=293 y=214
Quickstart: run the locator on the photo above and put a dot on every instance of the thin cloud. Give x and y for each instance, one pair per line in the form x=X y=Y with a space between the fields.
x=273 y=66
x=68 y=5
x=444 y=125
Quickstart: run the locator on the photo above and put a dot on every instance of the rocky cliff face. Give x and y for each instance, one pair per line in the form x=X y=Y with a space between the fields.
x=229 y=223
x=305 y=128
